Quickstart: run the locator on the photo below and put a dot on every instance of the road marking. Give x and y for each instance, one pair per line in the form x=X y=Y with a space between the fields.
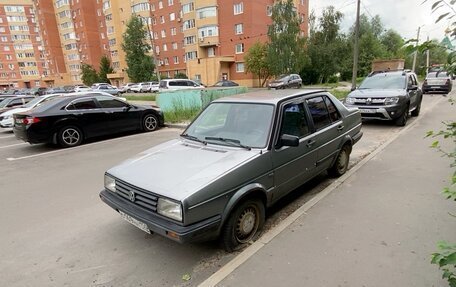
x=5 y=137
x=82 y=146
x=12 y=145
x=242 y=257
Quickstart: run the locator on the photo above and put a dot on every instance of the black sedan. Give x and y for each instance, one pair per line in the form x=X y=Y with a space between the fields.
x=225 y=83
x=69 y=120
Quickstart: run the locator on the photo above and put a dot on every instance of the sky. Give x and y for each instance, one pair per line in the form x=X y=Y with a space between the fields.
x=404 y=16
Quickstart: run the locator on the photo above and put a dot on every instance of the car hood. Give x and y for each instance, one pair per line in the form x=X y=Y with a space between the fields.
x=15 y=111
x=366 y=93
x=179 y=168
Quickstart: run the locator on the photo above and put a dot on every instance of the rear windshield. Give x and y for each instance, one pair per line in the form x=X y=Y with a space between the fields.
x=437 y=75
x=384 y=81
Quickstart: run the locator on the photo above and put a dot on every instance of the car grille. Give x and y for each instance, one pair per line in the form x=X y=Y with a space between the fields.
x=370 y=101
x=141 y=197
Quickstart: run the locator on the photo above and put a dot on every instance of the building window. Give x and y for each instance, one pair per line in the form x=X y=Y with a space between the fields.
x=170 y=2
x=187 y=8
x=160 y=5
x=189 y=40
x=173 y=31
x=163 y=33
x=206 y=12
x=238 y=29
x=162 y=19
x=239 y=67
x=269 y=10
x=4 y=39
x=189 y=24
x=140 y=7
x=240 y=48
x=108 y=17
x=37 y=83
x=191 y=55
x=172 y=17
x=165 y=47
x=238 y=8
x=166 y=61
x=176 y=60
x=174 y=46
x=211 y=52
x=208 y=31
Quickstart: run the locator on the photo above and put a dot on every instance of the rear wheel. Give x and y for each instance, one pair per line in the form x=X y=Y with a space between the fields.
x=416 y=111
x=150 y=123
x=340 y=166
x=243 y=225
x=69 y=136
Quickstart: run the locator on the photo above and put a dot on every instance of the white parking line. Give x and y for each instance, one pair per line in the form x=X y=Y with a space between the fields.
x=5 y=137
x=78 y=147
x=12 y=145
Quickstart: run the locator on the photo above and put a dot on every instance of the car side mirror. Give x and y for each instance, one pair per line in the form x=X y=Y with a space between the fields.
x=353 y=88
x=288 y=140
x=413 y=87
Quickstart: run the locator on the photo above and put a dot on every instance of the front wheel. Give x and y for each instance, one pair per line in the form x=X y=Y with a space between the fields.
x=340 y=166
x=69 y=136
x=416 y=111
x=402 y=120
x=150 y=123
x=243 y=225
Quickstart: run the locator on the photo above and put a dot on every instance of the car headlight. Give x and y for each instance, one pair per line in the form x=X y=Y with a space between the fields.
x=8 y=117
x=350 y=101
x=169 y=209
x=109 y=183
x=391 y=101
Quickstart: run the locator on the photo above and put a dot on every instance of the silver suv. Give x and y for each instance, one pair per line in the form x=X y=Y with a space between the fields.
x=237 y=158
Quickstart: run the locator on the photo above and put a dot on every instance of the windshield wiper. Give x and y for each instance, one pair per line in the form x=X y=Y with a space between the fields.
x=227 y=140
x=193 y=138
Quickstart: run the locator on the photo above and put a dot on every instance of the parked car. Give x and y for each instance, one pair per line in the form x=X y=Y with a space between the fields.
x=151 y=87
x=3 y=96
x=225 y=83
x=388 y=95
x=14 y=102
x=81 y=88
x=237 y=158
x=37 y=91
x=138 y=88
x=94 y=86
x=179 y=84
x=71 y=119
x=107 y=89
x=286 y=81
x=439 y=81
x=56 y=90
x=11 y=92
x=126 y=88
x=6 y=118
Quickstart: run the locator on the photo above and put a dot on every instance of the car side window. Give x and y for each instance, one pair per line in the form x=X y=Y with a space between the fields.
x=84 y=104
x=333 y=112
x=294 y=120
x=319 y=112
x=410 y=81
x=108 y=102
x=15 y=102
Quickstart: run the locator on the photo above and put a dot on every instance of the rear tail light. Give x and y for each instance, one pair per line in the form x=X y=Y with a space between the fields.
x=31 y=120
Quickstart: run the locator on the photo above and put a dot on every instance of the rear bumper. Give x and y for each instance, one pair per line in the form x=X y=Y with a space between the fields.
x=436 y=88
x=202 y=231
x=30 y=136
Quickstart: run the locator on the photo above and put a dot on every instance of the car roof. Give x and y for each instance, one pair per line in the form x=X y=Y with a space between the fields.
x=266 y=96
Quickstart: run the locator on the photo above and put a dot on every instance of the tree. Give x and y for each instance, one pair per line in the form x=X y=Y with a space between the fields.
x=256 y=62
x=286 y=52
x=105 y=69
x=140 y=65
x=89 y=75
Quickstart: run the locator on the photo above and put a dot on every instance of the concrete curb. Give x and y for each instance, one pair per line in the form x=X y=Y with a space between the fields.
x=237 y=261
x=176 y=126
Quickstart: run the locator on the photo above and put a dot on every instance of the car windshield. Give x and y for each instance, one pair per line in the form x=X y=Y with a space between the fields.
x=437 y=75
x=4 y=102
x=233 y=124
x=283 y=78
x=384 y=81
x=33 y=102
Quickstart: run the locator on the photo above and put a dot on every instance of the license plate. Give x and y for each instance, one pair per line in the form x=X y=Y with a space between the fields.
x=368 y=111
x=141 y=225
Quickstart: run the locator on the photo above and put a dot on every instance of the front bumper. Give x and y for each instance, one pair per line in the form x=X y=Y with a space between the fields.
x=202 y=231
x=386 y=113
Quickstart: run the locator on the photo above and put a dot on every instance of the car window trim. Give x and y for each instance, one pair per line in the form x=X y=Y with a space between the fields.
x=75 y=100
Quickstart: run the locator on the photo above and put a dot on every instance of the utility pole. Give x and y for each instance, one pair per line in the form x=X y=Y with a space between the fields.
x=356 y=48
x=416 y=52
x=427 y=59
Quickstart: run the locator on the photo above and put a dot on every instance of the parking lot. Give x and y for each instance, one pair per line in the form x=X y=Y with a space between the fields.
x=57 y=232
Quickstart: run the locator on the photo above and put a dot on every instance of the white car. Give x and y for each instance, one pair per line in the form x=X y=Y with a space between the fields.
x=6 y=118
x=138 y=88
x=179 y=84
x=81 y=89
x=126 y=88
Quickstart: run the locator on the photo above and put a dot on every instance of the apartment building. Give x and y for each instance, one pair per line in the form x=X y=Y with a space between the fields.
x=204 y=39
x=21 y=57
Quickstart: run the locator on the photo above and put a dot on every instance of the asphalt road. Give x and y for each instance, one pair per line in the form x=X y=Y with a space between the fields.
x=55 y=231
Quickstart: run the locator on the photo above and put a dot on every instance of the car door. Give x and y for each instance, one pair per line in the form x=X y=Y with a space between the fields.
x=120 y=115
x=328 y=130
x=412 y=90
x=89 y=116
x=293 y=166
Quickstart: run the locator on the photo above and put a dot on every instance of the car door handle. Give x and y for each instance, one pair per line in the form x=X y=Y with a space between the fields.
x=310 y=143
x=341 y=127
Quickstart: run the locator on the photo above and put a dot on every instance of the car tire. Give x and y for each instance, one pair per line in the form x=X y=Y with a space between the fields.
x=416 y=111
x=402 y=120
x=150 y=123
x=69 y=136
x=340 y=166
x=243 y=225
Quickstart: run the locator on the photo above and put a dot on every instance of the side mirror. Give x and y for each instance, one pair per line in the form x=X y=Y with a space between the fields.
x=288 y=140
x=413 y=87
x=353 y=88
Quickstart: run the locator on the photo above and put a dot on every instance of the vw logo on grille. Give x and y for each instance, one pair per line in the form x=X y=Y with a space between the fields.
x=369 y=101
x=132 y=196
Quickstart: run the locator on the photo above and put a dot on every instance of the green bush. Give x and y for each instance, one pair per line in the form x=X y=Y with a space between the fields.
x=181 y=113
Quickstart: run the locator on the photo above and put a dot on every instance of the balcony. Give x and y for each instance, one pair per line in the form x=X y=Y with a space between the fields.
x=208 y=41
